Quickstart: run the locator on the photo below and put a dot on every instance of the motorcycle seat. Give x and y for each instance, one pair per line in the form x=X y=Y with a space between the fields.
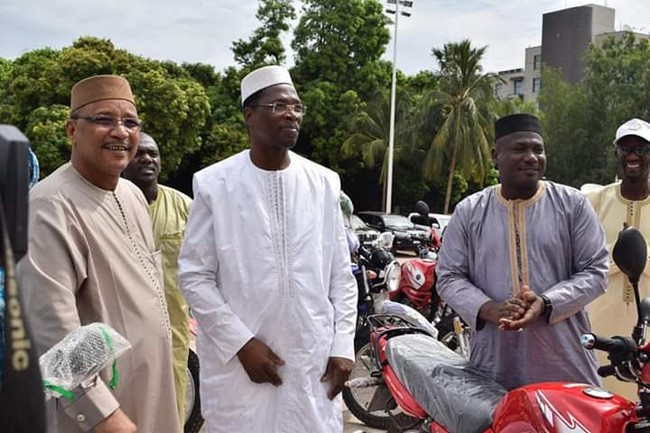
x=447 y=386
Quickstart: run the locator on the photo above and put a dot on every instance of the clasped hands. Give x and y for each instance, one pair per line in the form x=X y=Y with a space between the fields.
x=515 y=313
x=261 y=365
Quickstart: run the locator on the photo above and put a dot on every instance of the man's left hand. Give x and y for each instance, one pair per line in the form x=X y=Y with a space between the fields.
x=535 y=308
x=337 y=372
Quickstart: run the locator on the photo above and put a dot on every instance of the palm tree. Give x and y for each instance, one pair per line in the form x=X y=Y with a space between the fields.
x=463 y=139
x=370 y=133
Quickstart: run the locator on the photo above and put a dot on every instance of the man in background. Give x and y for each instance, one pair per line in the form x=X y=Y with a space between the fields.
x=620 y=204
x=169 y=210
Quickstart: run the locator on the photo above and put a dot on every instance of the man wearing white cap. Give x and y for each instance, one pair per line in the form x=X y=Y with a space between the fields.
x=620 y=204
x=265 y=268
x=92 y=258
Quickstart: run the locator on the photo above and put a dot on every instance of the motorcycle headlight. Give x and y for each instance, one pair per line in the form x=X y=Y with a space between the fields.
x=385 y=240
x=393 y=274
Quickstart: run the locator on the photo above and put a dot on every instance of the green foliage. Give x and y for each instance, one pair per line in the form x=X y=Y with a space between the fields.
x=463 y=139
x=617 y=88
x=338 y=48
x=265 y=46
x=173 y=106
x=342 y=42
x=44 y=128
x=202 y=73
x=580 y=120
x=370 y=132
x=565 y=130
x=506 y=107
x=321 y=136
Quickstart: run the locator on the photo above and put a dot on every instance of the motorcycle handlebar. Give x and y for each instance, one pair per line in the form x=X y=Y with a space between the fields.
x=606 y=370
x=617 y=345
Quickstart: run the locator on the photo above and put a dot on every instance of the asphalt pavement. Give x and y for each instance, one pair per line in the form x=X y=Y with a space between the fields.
x=353 y=425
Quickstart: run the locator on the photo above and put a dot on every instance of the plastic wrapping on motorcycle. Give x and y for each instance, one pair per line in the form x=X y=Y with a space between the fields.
x=452 y=391
x=410 y=314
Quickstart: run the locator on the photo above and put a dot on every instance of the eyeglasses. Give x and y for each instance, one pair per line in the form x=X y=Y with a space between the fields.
x=280 y=108
x=637 y=150
x=129 y=123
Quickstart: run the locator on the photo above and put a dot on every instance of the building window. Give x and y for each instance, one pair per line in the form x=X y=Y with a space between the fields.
x=537 y=82
x=537 y=61
x=518 y=86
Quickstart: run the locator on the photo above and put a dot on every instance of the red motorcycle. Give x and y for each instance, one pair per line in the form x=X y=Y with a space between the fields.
x=417 y=285
x=418 y=276
x=445 y=393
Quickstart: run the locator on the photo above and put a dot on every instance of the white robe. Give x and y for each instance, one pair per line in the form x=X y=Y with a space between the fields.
x=265 y=255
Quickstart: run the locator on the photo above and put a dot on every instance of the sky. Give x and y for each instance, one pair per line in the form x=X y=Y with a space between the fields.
x=203 y=30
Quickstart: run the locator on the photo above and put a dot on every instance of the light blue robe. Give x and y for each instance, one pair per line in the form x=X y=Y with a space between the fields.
x=561 y=252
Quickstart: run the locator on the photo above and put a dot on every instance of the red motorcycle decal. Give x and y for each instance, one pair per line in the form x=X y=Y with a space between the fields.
x=555 y=419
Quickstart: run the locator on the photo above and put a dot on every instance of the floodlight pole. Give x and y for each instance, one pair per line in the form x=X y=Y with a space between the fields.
x=393 y=88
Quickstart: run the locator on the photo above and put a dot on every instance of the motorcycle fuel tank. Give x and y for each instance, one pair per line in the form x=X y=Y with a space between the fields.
x=563 y=407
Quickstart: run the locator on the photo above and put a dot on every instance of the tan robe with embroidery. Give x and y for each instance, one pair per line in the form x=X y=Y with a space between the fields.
x=91 y=258
x=614 y=313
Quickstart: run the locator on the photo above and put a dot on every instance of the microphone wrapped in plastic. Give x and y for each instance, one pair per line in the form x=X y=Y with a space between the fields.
x=79 y=357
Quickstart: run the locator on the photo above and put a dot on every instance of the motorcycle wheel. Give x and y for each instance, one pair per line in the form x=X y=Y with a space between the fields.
x=358 y=399
x=193 y=419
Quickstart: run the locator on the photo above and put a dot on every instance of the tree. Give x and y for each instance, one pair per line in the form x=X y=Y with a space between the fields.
x=580 y=119
x=369 y=137
x=342 y=42
x=566 y=134
x=265 y=46
x=464 y=137
x=338 y=48
x=36 y=93
x=617 y=88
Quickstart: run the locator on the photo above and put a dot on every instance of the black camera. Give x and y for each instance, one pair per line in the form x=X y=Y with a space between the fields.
x=14 y=186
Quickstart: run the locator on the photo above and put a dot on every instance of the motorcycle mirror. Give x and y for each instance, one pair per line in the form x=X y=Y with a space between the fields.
x=422 y=208
x=630 y=253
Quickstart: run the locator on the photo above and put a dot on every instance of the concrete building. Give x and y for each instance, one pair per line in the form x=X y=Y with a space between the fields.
x=566 y=35
x=523 y=83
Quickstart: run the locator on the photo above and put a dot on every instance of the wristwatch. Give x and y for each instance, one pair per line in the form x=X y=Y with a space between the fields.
x=548 y=307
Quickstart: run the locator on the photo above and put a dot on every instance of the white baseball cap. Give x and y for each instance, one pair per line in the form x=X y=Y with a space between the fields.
x=636 y=127
x=262 y=78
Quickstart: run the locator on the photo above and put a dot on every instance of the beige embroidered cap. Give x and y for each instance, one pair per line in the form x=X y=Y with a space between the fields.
x=100 y=88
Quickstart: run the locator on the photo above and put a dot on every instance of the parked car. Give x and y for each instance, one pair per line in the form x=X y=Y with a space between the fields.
x=407 y=236
x=438 y=221
x=365 y=233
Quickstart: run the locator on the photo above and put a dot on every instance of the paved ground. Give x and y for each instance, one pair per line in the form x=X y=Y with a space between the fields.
x=353 y=425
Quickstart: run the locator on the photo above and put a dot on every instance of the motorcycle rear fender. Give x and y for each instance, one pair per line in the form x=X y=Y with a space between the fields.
x=401 y=395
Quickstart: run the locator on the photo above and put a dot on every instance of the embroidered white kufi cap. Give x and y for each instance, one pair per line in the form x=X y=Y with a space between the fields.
x=262 y=78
